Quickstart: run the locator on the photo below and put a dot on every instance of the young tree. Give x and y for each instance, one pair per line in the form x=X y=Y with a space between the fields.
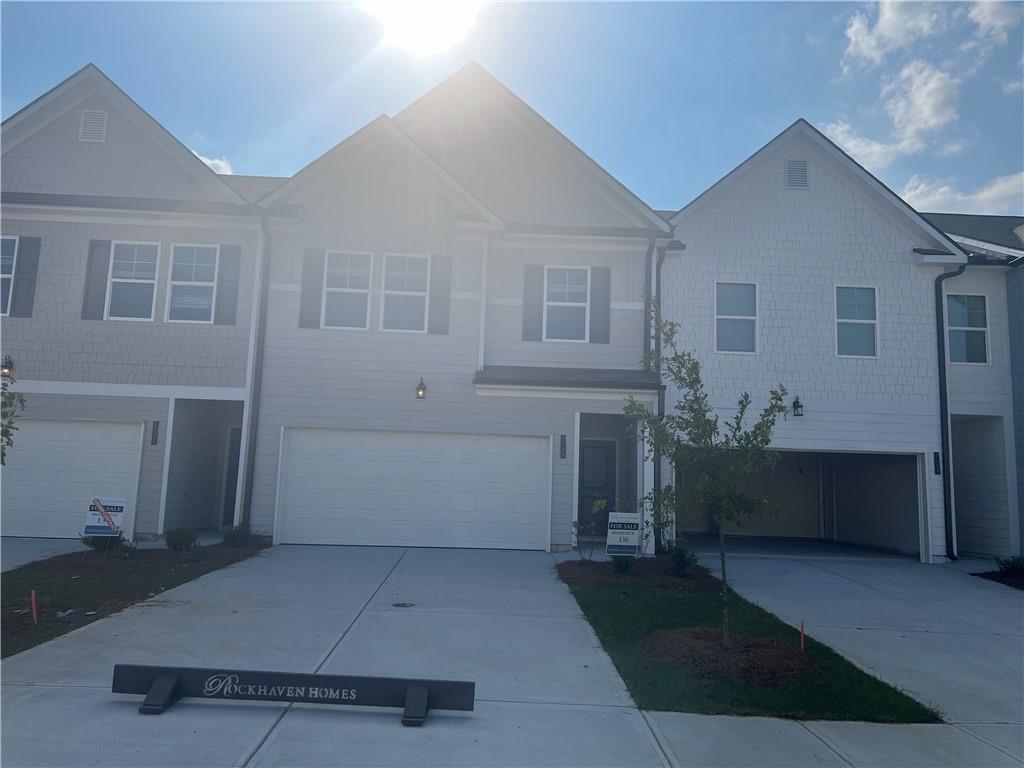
x=11 y=404
x=715 y=459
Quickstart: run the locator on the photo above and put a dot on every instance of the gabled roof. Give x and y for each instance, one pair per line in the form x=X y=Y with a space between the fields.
x=1007 y=231
x=804 y=128
x=60 y=99
x=515 y=161
x=383 y=129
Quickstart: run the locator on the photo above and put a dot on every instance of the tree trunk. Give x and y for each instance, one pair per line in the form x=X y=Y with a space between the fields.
x=725 y=584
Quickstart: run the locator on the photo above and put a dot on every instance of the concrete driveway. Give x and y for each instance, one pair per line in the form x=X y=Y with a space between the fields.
x=546 y=692
x=947 y=638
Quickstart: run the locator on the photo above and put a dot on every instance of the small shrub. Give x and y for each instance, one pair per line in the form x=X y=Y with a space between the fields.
x=1012 y=566
x=622 y=564
x=180 y=539
x=104 y=543
x=683 y=560
x=239 y=536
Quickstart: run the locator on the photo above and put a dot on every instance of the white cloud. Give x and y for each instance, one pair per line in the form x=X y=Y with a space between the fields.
x=1013 y=87
x=897 y=25
x=952 y=149
x=1002 y=195
x=217 y=164
x=994 y=20
x=922 y=99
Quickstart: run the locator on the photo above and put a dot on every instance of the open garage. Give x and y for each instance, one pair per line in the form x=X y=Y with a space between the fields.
x=864 y=499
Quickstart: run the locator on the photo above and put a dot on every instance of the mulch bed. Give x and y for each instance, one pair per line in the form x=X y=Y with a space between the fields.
x=645 y=571
x=95 y=584
x=1015 y=580
x=762 y=661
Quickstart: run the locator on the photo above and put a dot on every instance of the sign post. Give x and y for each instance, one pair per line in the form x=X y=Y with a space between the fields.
x=623 y=535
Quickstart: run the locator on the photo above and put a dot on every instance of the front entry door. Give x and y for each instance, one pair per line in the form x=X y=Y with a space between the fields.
x=597 y=481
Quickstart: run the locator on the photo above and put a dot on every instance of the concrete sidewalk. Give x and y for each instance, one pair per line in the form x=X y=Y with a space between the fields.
x=547 y=694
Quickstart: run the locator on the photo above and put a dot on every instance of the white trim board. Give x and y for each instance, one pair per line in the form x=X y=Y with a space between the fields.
x=99 y=389
x=580 y=393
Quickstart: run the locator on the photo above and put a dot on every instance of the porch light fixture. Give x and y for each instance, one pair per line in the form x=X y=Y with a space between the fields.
x=798 y=407
x=421 y=390
x=7 y=367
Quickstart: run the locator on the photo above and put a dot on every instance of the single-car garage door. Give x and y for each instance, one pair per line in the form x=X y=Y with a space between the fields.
x=57 y=467
x=414 y=489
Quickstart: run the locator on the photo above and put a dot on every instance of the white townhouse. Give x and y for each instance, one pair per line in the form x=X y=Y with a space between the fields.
x=426 y=337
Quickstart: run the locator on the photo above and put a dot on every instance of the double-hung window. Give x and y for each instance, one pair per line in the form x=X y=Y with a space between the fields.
x=566 y=303
x=406 y=287
x=346 y=300
x=736 y=317
x=8 y=255
x=967 y=318
x=193 y=283
x=856 y=322
x=132 y=282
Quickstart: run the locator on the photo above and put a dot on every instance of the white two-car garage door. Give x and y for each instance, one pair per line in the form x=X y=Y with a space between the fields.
x=414 y=489
x=57 y=467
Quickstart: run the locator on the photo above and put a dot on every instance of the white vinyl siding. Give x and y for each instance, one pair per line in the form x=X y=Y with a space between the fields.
x=406 y=291
x=8 y=256
x=856 y=322
x=193 y=283
x=346 y=299
x=131 y=289
x=967 y=317
x=566 y=304
x=736 y=317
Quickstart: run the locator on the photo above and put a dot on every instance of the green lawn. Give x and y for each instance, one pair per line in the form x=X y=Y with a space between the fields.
x=100 y=584
x=623 y=615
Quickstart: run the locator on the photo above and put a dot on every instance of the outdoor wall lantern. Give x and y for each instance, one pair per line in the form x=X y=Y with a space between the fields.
x=421 y=390
x=7 y=367
x=798 y=407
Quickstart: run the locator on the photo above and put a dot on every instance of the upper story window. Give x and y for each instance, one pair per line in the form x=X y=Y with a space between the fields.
x=8 y=254
x=566 y=303
x=406 y=286
x=193 y=283
x=856 y=322
x=346 y=299
x=967 y=318
x=736 y=317
x=132 y=281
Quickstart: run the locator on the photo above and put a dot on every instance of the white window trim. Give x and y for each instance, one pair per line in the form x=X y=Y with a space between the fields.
x=171 y=282
x=384 y=292
x=368 y=291
x=875 y=322
x=756 y=318
x=111 y=280
x=14 y=269
x=586 y=316
x=988 y=336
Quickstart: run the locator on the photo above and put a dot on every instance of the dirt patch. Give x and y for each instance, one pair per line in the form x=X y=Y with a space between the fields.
x=645 y=571
x=1015 y=580
x=77 y=588
x=761 y=661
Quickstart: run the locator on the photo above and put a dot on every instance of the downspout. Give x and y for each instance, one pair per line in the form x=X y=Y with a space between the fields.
x=257 y=373
x=947 y=480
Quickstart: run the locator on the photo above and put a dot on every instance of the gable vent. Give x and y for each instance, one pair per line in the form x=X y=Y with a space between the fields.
x=93 y=126
x=796 y=174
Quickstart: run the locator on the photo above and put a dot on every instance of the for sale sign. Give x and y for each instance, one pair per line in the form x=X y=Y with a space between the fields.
x=105 y=517
x=623 y=535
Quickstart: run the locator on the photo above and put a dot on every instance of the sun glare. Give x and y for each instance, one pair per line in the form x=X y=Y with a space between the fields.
x=425 y=27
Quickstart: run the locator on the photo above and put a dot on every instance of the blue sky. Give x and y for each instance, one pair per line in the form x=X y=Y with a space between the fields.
x=667 y=97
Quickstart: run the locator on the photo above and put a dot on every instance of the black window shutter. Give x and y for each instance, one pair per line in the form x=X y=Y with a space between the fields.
x=600 y=304
x=312 y=288
x=26 y=267
x=97 y=267
x=228 y=270
x=533 y=302
x=440 y=293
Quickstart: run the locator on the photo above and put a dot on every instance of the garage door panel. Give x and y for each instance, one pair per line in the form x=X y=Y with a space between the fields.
x=414 y=489
x=56 y=467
